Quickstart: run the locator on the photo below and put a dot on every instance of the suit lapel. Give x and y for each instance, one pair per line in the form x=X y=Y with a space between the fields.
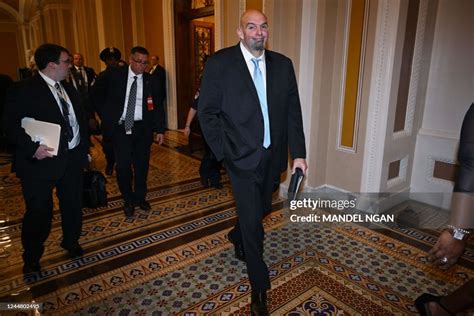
x=51 y=100
x=244 y=72
x=123 y=87
x=271 y=78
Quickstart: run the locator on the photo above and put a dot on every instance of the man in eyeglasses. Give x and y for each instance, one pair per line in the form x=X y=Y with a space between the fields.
x=46 y=97
x=131 y=114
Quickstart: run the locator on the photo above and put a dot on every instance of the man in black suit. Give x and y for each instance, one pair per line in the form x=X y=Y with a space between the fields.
x=83 y=78
x=131 y=113
x=160 y=74
x=110 y=56
x=250 y=115
x=45 y=98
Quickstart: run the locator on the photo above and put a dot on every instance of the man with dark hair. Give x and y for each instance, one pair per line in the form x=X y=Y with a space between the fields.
x=46 y=98
x=250 y=114
x=110 y=56
x=131 y=113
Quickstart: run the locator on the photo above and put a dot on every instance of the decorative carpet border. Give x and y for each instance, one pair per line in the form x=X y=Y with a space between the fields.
x=93 y=290
x=112 y=252
x=113 y=225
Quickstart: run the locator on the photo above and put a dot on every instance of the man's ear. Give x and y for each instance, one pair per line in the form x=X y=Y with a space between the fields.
x=240 y=33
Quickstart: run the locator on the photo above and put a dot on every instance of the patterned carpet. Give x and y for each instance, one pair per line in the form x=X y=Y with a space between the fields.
x=176 y=260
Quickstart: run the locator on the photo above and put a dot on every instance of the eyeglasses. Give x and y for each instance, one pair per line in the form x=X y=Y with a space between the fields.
x=67 y=61
x=143 y=63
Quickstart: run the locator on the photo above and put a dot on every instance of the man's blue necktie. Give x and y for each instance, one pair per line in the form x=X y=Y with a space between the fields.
x=262 y=97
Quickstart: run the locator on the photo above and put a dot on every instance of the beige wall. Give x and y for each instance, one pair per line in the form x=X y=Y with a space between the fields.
x=231 y=22
x=153 y=20
x=85 y=32
x=449 y=88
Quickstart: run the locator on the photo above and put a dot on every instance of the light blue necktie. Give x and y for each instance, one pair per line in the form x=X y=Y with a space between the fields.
x=262 y=97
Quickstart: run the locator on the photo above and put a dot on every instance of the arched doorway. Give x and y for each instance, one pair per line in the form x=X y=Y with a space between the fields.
x=194 y=38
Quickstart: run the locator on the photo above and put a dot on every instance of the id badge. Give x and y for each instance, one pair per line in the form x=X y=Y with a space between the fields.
x=149 y=103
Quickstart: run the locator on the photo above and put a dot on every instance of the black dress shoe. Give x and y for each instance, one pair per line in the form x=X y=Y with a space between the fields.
x=30 y=267
x=424 y=299
x=109 y=169
x=238 y=249
x=259 y=304
x=205 y=182
x=129 y=209
x=74 y=252
x=144 y=205
x=216 y=184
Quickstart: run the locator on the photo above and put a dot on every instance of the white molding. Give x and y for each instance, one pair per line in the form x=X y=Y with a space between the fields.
x=306 y=67
x=415 y=72
x=440 y=134
x=402 y=174
x=170 y=62
x=360 y=80
x=379 y=97
x=430 y=169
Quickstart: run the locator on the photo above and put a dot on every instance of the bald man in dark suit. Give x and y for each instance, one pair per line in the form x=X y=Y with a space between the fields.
x=250 y=115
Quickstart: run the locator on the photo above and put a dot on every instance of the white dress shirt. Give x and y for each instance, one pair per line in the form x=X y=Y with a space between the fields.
x=72 y=116
x=139 y=101
x=250 y=65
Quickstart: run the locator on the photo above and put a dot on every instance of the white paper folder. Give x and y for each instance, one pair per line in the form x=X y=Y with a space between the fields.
x=45 y=133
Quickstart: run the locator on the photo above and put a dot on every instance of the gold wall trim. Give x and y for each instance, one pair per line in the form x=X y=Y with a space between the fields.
x=354 y=53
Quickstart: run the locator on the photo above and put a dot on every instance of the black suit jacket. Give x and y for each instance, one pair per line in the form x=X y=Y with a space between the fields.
x=33 y=98
x=231 y=118
x=90 y=73
x=160 y=74
x=465 y=179
x=110 y=93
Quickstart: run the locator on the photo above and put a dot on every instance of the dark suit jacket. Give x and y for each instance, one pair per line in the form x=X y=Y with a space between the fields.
x=33 y=98
x=160 y=75
x=91 y=76
x=90 y=73
x=231 y=118
x=465 y=180
x=110 y=94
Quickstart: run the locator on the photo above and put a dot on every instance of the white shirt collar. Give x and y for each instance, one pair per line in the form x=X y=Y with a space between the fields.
x=48 y=80
x=248 y=56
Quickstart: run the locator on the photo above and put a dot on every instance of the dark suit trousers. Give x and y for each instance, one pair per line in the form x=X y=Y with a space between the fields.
x=209 y=168
x=108 y=149
x=253 y=196
x=132 y=155
x=39 y=208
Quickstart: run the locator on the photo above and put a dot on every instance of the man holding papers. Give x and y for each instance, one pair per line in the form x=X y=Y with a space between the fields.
x=45 y=98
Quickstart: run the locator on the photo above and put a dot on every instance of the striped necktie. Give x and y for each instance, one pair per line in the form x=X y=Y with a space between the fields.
x=65 y=111
x=132 y=97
